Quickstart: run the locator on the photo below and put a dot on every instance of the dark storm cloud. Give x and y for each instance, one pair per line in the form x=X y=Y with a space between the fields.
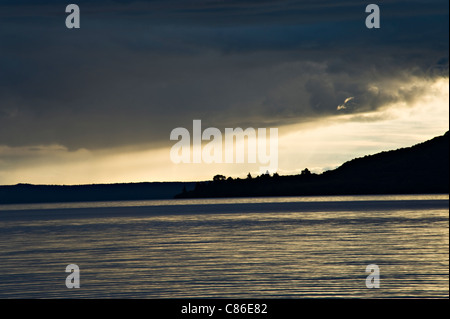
x=136 y=70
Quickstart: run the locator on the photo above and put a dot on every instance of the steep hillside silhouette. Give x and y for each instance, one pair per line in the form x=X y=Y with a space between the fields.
x=423 y=168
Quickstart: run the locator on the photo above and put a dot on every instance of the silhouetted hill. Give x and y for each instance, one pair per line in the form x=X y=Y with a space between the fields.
x=423 y=168
x=26 y=193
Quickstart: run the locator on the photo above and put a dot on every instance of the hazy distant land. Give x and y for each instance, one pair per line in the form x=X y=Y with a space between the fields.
x=420 y=169
x=27 y=193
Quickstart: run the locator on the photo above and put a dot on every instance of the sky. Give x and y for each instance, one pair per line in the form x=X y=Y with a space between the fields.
x=98 y=104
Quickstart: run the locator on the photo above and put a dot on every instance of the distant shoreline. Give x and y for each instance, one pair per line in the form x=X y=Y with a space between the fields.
x=420 y=169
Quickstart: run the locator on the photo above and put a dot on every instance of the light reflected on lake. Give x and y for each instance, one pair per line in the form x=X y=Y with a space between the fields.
x=241 y=254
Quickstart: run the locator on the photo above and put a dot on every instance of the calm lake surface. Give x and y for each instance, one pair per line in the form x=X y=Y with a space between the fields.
x=287 y=247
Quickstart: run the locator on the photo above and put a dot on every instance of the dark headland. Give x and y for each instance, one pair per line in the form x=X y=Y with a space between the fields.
x=420 y=169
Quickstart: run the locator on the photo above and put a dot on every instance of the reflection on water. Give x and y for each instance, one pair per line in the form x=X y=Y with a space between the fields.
x=243 y=254
x=209 y=201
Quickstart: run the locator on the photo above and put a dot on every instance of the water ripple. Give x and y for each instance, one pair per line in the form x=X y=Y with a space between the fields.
x=289 y=253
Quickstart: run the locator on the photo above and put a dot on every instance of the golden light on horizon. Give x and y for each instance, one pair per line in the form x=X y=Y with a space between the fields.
x=319 y=145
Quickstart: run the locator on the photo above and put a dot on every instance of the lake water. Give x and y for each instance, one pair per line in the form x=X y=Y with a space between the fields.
x=290 y=247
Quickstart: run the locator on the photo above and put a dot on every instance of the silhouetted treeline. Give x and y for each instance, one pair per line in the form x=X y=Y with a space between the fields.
x=423 y=168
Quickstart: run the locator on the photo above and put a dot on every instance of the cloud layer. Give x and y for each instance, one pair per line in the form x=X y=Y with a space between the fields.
x=136 y=70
